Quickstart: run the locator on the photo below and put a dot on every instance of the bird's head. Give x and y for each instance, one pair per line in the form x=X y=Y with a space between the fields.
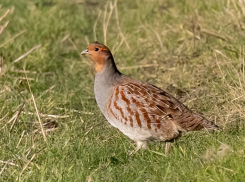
x=99 y=54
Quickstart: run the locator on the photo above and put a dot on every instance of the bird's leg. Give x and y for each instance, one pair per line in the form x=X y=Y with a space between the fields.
x=140 y=145
x=167 y=147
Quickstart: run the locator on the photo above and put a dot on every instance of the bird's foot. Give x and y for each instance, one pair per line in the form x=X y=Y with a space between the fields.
x=167 y=147
x=140 y=145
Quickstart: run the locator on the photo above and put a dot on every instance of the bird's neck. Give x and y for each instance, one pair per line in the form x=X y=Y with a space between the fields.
x=105 y=80
x=108 y=75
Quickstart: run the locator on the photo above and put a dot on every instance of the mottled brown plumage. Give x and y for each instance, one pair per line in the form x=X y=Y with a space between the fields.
x=141 y=111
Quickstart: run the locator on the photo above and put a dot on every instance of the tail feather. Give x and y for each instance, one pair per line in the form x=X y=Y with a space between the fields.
x=194 y=122
x=209 y=125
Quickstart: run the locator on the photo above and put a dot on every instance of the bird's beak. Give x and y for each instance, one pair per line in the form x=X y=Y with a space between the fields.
x=84 y=52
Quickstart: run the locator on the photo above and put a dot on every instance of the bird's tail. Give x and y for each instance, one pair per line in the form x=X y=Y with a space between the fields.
x=206 y=124
x=194 y=122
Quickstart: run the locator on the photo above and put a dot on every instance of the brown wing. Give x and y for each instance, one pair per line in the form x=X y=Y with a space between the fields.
x=146 y=106
x=183 y=118
x=142 y=105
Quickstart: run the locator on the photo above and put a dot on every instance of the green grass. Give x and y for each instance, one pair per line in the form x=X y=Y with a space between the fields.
x=192 y=49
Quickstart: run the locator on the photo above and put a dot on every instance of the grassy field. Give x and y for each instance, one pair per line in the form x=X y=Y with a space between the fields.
x=192 y=49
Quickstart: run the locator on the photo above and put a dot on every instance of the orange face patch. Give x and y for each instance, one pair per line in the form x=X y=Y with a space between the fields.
x=99 y=54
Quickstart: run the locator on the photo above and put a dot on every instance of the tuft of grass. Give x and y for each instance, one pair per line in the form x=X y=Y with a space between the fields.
x=51 y=127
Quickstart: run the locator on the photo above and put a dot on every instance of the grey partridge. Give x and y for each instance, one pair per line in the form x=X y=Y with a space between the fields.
x=141 y=111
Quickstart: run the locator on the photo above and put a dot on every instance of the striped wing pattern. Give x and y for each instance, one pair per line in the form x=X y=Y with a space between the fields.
x=143 y=106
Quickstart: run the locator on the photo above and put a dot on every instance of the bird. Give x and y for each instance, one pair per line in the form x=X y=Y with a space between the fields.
x=141 y=111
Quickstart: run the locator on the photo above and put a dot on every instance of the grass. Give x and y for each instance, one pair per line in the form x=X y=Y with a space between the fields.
x=54 y=131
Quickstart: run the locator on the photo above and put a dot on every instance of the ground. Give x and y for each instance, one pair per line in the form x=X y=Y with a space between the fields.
x=51 y=127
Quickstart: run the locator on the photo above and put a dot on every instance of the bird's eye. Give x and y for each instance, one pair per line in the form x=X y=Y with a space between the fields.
x=96 y=49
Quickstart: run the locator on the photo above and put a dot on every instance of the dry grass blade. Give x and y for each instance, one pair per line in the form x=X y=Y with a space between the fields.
x=19 y=78
x=86 y=39
x=37 y=112
x=213 y=34
x=119 y=27
x=47 y=91
x=4 y=15
x=4 y=116
x=21 y=137
x=3 y=27
x=15 y=36
x=8 y=162
x=65 y=37
x=76 y=111
x=27 y=164
x=5 y=24
x=139 y=66
x=16 y=116
x=4 y=168
x=92 y=127
x=116 y=46
x=107 y=20
x=39 y=97
x=28 y=52
x=22 y=71
x=157 y=36
x=48 y=115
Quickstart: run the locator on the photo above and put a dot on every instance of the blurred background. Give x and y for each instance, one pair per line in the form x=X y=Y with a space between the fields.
x=51 y=127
